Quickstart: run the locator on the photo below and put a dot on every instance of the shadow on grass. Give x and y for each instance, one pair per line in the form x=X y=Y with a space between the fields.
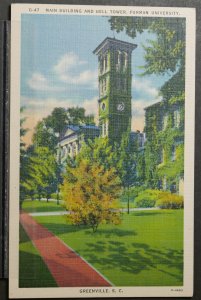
x=65 y=228
x=111 y=232
x=137 y=258
x=23 y=236
x=33 y=272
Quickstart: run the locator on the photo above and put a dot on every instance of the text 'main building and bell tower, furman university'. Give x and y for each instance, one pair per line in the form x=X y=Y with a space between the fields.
x=115 y=80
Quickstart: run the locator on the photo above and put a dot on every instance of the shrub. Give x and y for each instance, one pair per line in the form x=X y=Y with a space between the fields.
x=170 y=201
x=132 y=193
x=147 y=198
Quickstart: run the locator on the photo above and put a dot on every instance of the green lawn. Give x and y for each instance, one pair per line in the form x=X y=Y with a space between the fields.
x=33 y=271
x=41 y=206
x=145 y=250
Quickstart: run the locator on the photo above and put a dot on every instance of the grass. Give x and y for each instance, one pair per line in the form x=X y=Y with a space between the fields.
x=32 y=270
x=41 y=206
x=146 y=249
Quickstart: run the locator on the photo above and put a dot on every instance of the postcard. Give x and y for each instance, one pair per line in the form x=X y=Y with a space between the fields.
x=102 y=151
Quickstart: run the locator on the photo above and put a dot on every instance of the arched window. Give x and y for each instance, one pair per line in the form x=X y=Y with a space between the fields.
x=173 y=154
x=106 y=62
x=126 y=59
x=122 y=59
x=116 y=57
x=177 y=118
x=101 y=64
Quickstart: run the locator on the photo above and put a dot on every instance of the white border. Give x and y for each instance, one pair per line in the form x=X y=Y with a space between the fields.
x=187 y=289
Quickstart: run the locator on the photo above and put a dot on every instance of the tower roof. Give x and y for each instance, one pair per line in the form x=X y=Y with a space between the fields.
x=112 y=43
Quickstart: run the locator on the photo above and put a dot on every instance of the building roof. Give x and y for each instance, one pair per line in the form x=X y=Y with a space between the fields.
x=77 y=129
x=109 y=43
x=153 y=105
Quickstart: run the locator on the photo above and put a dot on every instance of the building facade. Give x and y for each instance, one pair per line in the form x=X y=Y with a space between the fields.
x=72 y=139
x=164 y=128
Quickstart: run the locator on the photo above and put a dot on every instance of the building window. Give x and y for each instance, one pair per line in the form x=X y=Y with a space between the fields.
x=101 y=88
x=117 y=60
x=176 y=118
x=126 y=60
x=173 y=188
x=164 y=183
x=105 y=84
x=103 y=106
x=161 y=156
x=123 y=84
x=105 y=129
x=74 y=149
x=165 y=122
x=122 y=60
x=101 y=65
x=173 y=154
x=106 y=63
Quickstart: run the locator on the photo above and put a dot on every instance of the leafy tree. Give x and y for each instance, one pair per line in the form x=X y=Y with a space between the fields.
x=23 y=158
x=98 y=151
x=168 y=46
x=57 y=120
x=49 y=129
x=122 y=157
x=126 y=164
x=44 y=136
x=41 y=173
x=90 y=193
x=77 y=116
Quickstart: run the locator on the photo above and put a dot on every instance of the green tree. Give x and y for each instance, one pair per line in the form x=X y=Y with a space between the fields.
x=168 y=46
x=44 y=136
x=42 y=169
x=23 y=158
x=77 y=116
x=122 y=157
x=56 y=120
x=98 y=151
x=90 y=192
x=126 y=164
x=49 y=129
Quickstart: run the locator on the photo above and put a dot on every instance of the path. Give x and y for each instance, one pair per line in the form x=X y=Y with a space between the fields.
x=67 y=267
x=61 y=213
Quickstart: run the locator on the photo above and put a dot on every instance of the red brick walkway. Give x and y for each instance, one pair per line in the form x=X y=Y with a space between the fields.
x=67 y=268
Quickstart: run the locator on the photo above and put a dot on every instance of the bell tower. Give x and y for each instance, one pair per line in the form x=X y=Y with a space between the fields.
x=115 y=79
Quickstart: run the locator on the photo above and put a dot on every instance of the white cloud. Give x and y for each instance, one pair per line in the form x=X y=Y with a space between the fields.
x=65 y=71
x=39 y=82
x=66 y=62
x=145 y=86
x=66 y=67
x=46 y=105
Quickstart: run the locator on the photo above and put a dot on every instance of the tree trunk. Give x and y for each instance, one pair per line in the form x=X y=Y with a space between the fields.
x=57 y=197
x=128 y=201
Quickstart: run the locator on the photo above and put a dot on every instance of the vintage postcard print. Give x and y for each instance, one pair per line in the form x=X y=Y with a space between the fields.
x=102 y=151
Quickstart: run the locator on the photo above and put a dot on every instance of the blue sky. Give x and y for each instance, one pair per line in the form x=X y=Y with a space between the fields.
x=59 y=69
